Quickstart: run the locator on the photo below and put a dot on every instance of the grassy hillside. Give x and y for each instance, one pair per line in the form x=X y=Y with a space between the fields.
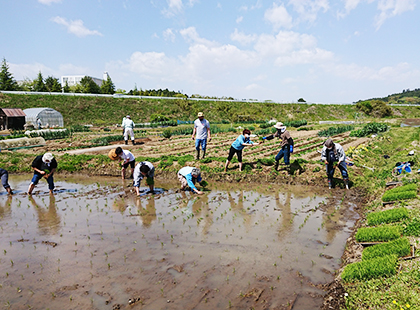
x=107 y=111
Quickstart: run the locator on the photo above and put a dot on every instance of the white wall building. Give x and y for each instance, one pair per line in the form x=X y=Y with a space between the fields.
x=72 y=80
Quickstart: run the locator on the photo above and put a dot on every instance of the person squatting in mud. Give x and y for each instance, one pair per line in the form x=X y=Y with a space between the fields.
x=144 y=169
x=286 y=144
x=188 y=176
x=43 y=166
x=201 y=133
x=333 y=156
x=238 y=145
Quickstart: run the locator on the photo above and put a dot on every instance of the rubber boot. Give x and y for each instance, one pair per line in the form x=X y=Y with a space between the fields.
x=276 y=165
x=329 y=184
x=126 y=142
x=204 y=154
x=346 y=182
x=198 y=155
x=134 y=143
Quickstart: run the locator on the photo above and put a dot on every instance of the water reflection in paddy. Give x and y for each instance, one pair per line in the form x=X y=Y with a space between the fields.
x=93 y=245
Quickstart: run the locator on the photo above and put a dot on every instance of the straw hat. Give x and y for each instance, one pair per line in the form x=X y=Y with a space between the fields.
x=279 y=125
x=112 y=154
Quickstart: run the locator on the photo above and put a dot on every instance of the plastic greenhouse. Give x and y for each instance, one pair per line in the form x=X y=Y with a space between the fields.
x=49 y=117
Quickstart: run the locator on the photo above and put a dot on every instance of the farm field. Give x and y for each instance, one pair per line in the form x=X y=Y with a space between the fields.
x=93 y=245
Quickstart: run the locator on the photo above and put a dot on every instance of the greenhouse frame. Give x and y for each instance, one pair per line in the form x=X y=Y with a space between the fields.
x=48 y=116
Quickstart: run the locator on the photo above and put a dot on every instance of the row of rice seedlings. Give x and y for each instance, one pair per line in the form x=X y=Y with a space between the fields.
x=381 y=233
x=377 y=267
x=387 y=216
x=400 y=247
x=399 y=193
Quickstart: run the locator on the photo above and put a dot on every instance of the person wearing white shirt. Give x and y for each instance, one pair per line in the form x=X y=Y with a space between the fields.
x=128 y=159
x=128 y=126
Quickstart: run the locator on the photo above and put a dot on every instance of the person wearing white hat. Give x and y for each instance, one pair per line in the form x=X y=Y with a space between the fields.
x=202 y=129
x=128 y=126
x=286 y=143
x=44 y=166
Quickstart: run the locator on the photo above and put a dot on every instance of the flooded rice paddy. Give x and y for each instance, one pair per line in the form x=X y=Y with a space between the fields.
x=94 y=245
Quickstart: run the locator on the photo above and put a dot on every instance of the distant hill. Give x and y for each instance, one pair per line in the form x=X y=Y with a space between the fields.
x=406 y=97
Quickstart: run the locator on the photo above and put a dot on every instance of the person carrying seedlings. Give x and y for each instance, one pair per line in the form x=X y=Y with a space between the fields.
x=237 y=146
x=144 y=169
x=128 y=127
x=333 y=156
x=127 y=158
x=4 y=175
x=43 y=166
x=201 y=133
x=286 y=144
x=188 y=176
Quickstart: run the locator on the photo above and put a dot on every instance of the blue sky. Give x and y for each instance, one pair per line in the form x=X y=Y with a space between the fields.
x=323 y=51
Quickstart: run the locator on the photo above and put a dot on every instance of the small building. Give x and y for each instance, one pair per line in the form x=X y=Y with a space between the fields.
x=49 y=117
x=12 y=119
x=73 y=80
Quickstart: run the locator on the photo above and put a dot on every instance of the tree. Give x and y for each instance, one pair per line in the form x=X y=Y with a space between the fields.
x=66 y=88
x=52 y=84
x=88 y=86
x=301 y=100
x=39 y=84
x=108 y=87
x=6 y=78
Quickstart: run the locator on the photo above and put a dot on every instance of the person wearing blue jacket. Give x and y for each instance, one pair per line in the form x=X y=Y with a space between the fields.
x=188 y=176
x=237 y=146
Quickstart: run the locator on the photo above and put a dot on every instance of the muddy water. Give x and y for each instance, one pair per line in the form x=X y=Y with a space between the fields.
x=93 y=245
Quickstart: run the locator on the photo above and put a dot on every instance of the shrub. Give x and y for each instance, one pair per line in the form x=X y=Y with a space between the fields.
x=399 y=196
x=400 y=247
x=388 y=216
x=167 y=133
x=375 y=108
x=381 y=233
x=369 y=129
x=377 y=267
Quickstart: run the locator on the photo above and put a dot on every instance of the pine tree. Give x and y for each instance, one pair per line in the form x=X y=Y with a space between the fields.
x=52 y=84
x=6 y=78
x=39 y=85
x=108 y=87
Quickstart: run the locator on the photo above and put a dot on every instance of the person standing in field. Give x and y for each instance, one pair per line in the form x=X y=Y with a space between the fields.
x=238 y=145
x=43 y=166
x=4 y=175
x=128 y=127
x=201 y=133
x=333 y=156
x=286 y=143
x=142 y=170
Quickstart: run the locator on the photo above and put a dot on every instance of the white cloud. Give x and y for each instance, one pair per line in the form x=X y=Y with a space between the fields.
x=175 y=7
x=75 y=27
x=305 y=56
x=239 y=19
x=190 y=35
x=391 y=8
x=308 y=9
x=169 y=35
x=30 y=71
x=283 y=43
x=242 y=38
x=278 y=17
x=48 y=2
x=255 y=6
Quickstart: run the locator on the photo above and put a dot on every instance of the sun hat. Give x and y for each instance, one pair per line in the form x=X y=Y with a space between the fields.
x=195 y=171
x=279 y=125
x=113 y=155
x=128 y=116
x=47 y=157
x=200 y=114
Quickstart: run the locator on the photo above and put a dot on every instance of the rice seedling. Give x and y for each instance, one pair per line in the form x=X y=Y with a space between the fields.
x=381 y=233
x=387 y=216
x=400 y=247
x=373 y=268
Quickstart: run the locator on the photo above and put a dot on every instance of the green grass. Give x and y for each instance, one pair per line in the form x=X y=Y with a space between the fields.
x=378 y=234
x=400 y=247
x=374 y=268
x=387 y=216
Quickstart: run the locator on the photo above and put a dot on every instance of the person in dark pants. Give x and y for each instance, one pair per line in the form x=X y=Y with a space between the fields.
x=285 y=144
x=44 y=166
x=4 y=175
x=333 y=156
x=238 y=145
